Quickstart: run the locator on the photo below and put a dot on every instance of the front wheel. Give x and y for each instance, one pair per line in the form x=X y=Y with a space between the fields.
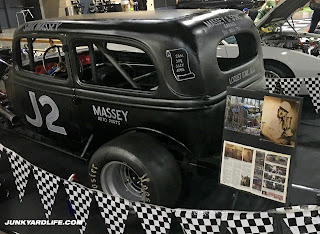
x=135 y=166
x=273 y=70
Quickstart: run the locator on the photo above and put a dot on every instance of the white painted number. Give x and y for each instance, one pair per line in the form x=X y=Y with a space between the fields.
x=51 y=117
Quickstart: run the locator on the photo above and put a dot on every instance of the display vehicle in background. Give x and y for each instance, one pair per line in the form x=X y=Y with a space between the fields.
x=140 y=93
x=285 y=53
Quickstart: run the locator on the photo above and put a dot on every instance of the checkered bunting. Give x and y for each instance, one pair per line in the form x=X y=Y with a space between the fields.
x=303 y=221
x=271 y=84
x=47 y=185
x=20 y=169
x=156 y=219
x=1 y=150
x=291 y=86
x=283 y=210
x=249 y=222
x=114 y=210
x=1 y=147
x=200 y=222
x=80 y=198
x=313 y=86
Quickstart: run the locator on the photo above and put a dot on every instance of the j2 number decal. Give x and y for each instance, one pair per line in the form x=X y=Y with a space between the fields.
x=51 y=117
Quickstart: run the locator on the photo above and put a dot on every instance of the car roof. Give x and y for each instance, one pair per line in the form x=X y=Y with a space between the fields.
x=165 y=15
x=164 y=21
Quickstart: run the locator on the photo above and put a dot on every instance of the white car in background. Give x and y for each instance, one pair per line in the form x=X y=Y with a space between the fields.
x=286 y=54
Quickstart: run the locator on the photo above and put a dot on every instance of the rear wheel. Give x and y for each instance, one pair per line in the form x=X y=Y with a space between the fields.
x=135 y=166
x=120 y=179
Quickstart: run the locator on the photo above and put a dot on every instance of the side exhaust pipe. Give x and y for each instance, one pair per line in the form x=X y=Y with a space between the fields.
x=9 y=115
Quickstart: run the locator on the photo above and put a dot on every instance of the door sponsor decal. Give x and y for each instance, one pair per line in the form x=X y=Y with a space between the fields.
x=50 y=118
x=180 y=64
x=242 y=75
x=110 y=115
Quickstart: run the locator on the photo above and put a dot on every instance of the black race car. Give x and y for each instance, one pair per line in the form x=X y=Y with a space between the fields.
x=137 y=93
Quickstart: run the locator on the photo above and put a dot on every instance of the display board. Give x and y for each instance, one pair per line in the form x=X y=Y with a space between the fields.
x=259 y=140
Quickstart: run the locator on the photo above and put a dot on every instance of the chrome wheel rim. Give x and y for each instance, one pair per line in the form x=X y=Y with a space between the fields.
x=271 y=74
x=119 y=179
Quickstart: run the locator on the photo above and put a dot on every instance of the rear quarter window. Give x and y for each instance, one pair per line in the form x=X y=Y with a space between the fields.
x=236 y=50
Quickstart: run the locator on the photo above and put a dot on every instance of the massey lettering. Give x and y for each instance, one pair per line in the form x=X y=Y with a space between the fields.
x=41 y=27
x=110 y=115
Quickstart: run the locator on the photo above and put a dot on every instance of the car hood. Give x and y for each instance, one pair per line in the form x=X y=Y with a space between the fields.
x=281 y=12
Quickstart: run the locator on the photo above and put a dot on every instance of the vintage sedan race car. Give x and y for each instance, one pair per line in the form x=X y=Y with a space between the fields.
x=137 y=92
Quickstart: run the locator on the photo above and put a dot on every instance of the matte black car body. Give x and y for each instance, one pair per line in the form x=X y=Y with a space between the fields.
x=235 y=4
x=180 y=109
x=185 y=113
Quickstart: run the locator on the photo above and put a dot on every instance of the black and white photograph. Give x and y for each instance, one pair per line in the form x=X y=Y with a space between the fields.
x=275 y=169
x=273 y=186
x=279 y=120
x=260 y=158
x=275 y=178
x=257 y=184
x=277 y=159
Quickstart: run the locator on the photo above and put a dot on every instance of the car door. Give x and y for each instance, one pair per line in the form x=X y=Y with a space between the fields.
x=111 y=77
x=43 y=86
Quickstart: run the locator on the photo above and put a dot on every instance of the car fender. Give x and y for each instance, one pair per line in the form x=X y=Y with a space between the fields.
x=302 y=65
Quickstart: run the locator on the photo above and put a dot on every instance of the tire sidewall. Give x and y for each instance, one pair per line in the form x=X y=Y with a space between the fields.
x=110 y=154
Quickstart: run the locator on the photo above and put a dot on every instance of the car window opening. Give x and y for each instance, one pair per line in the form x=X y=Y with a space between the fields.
x=236 y=50
x=43 y=56
x=116 y=65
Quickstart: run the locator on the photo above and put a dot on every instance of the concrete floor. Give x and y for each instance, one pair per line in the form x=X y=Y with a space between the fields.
x=6 y=36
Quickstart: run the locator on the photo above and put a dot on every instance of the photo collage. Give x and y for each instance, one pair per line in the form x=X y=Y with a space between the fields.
x=259 y=169
x=260 y=172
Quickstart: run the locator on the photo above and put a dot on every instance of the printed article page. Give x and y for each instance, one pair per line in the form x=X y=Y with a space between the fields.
x=260 y=172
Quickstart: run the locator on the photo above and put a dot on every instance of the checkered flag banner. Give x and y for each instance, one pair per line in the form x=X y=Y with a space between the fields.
x=248 y=222
x=20 y=169
x=200 y=222
x=47 y=185
x=313 y=86
x=1 y=150
x=1 y=147
x=292 y=209
x=114 y=211
x=291 y=86
x=272 y=84
x=80 y=198
x=156 y=219
x=301 y=219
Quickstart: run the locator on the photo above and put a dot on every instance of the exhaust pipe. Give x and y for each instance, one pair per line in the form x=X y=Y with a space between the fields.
x=9 y=115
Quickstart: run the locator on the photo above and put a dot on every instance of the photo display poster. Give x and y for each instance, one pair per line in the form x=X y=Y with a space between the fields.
x=259 y=140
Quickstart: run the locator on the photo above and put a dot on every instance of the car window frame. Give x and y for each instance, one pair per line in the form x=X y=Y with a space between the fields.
x=44 y=78
x=72 y=41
